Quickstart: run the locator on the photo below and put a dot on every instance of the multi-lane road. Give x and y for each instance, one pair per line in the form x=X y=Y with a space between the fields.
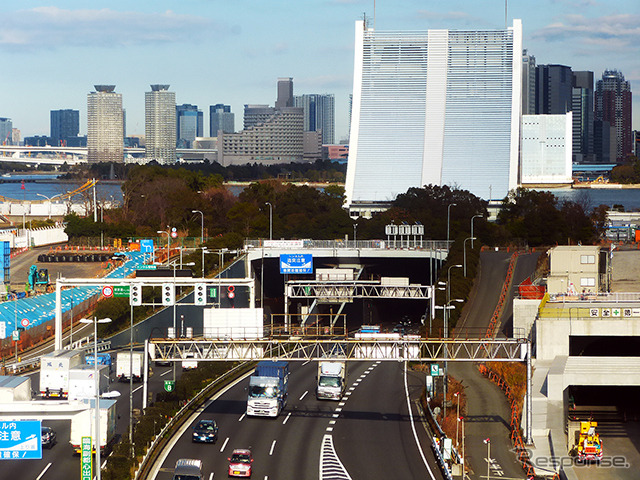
x=370 y=434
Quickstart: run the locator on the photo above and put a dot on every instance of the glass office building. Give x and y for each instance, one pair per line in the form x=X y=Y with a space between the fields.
x=436 y=107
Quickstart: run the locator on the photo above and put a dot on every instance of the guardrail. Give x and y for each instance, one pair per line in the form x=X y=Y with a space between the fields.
x=34 y=362
x=178 y=418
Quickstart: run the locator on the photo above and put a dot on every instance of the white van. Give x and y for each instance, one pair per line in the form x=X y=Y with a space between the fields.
x=188 y=469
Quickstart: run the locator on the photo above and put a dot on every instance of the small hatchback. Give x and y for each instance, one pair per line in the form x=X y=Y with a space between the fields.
x=205 y=431
x=48 y=437
x=240 y=463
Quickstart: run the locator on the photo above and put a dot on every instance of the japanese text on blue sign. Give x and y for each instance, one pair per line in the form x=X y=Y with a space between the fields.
x=20 y=440
x=300 y=263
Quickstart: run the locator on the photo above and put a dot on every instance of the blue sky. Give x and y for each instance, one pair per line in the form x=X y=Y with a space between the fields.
x=233 y=51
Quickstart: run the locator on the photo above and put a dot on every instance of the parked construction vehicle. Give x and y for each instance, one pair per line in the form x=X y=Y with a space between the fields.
x=588 y=447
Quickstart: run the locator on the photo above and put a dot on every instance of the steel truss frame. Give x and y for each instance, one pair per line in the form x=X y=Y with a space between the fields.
x=344 y=291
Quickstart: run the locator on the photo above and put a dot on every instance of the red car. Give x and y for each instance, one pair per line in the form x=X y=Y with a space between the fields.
x=240 y=463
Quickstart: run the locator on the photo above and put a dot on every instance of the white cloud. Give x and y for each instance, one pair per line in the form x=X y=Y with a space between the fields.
x=610 y=32
x=53 y=27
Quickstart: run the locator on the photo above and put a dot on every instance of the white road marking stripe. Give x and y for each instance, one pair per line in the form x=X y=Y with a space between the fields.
x=210 y=475
x=45 y=469
x=331 y=467
x=332 y=422
x=341 y=404
x=329 y=429
x=304 y=395
x=131 y=392
x=338 y=409
x=240 y=419
x=223 y=445
x=335 y=415
x=162 y=375
x=284 y=422
x=273 y=446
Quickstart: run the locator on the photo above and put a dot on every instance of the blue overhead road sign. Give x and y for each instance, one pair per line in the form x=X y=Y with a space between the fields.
x=293 y=263
x=20 y=440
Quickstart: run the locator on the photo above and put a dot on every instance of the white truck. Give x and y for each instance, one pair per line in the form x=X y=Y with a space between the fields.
x=123 y=366
x=82 y=382
x=268 y=389
x=54 y=372
x=83 y=424
x=332 y=379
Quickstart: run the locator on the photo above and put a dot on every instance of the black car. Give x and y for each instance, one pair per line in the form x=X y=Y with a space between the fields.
x=205 y=431
x=48 y=437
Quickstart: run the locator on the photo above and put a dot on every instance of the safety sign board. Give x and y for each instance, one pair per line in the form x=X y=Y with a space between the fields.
x=296 y=263
x=20 y=440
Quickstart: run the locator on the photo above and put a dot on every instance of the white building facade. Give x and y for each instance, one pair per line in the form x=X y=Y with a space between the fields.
x=546 y=149
x=434 y=107
x=105 y=125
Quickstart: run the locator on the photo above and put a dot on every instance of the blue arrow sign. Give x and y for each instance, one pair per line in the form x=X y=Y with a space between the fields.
x=20 y=440
x=296 y=263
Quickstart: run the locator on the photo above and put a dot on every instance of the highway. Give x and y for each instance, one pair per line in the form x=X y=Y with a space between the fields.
x=370 y=430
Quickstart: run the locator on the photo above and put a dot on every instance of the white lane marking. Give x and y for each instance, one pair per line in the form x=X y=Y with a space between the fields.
x=210 y=475
x=329 y=429
x=223 y=445
x=332 y=422
x=303 y=395
x=284 y=422
x=273 y=446
x=413 y=425
x=351 y=389
x=45 y=469
x=362 y=376
x=335 y=415
x=338 y=409
x=240 y=419
x=331 y=467
x=341 y=404
x=131 y=392
x=162 y=375
x=346 y=394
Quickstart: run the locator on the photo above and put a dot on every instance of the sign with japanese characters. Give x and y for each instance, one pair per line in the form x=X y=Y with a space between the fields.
x=86 y=459
x=20 y=440
x=296 y=263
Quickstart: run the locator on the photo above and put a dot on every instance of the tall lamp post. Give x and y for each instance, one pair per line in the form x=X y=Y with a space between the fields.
x=448 y=217
x=464 y=253
x=49 y=199
x=270 y=220
x=201 y=237
x=96 y=441
x=487 y=442
x=175 y=327
x=355 y=229
x=472 y=237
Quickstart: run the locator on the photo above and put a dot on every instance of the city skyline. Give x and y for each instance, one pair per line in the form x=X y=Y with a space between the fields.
x=215 y=52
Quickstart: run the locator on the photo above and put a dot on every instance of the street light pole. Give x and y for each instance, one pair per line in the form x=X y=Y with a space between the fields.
x=201 y=237
x=448 y=217
x=475 y=216
x=270 y=220
x=464 y=253
x=355 y=228
x=168 y=242
x=487 y=441
x=49 y=199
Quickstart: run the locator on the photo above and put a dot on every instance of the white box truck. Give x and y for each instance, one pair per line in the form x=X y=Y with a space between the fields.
x=124 y=366
x=331 y=380
x=82 y=383
x=83 y=424
x=54 y=372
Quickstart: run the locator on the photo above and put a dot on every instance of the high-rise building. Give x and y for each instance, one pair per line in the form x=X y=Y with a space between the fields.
x=528 y=83
x=221 y=118
x=613 y=105
x=6 y=126
x=285 y=93
x=64 y=124
x=582 y=107
x=160 y=124
x=546 y=149
x=319 y=114
x=553 y=89
x=189 y=124
x=105 y=125
x=437 y=107
x=279 y=139
x=256 y=115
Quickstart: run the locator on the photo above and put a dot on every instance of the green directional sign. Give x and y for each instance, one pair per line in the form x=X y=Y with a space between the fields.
x=213 y=292
x=435 y=370
x=121 y=290
x=169 y=385
x=146 y=267
x=86 y=459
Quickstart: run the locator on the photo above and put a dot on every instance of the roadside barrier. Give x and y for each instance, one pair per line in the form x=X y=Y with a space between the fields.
x=495 y=318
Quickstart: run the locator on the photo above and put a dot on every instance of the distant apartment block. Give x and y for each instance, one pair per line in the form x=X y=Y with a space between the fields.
x=339 y=153
x=256 y=115
x=105 y=125
x=528 y=83
x=613 y=105
x=546 y=149
x=285 y=93
x=6 y=127
x=189 y=125
x=160 y=124
x=221 y=118
x=64 y=124
x=319 y=114
x=278 y=139
x=553 y=89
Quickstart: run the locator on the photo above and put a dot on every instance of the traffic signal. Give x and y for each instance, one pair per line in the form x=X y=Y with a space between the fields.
x=168 y=294
x=135 y=295
x=200 y=292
